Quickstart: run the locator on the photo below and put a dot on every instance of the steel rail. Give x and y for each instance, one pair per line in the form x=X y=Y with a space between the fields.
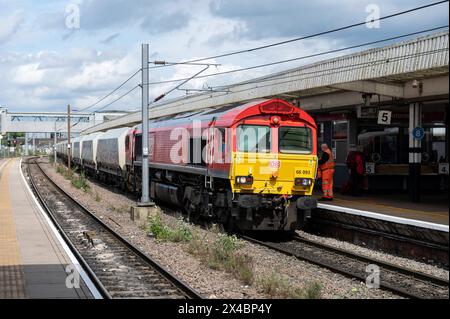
x=404 y=270
x=188 y=291
x=372 y=232
x=327 y=261
x=387 y=266
x=91 y=274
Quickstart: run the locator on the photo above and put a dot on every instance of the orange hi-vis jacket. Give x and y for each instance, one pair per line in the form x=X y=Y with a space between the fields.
x=326 y=172
x=328 y=164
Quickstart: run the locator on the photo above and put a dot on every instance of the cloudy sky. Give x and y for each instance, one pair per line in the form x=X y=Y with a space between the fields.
x=48 y=60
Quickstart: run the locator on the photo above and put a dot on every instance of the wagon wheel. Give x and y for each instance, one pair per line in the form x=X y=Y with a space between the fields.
x=129 y=183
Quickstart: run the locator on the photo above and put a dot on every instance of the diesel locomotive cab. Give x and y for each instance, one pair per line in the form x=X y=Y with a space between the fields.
x=273 y=169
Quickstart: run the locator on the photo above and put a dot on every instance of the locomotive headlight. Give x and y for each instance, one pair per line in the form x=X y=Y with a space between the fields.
x=275 y=120
x=303 y=182
x=246 y=180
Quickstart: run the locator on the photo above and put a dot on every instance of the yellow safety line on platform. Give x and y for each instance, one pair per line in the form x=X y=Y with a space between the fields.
x=9 y=246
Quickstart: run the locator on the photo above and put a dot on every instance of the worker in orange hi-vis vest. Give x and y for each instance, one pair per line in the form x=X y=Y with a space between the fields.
x=326 y=172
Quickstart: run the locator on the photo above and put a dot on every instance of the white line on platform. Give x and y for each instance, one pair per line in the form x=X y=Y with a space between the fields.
x=58 y=236
x=389 y=218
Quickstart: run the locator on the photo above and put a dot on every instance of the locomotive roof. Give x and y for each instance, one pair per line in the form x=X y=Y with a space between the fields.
x=211 y=112
x=225 y=112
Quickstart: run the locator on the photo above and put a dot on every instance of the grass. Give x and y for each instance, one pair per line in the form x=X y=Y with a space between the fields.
x=97 y=197
x=197 y=245
x=224 y=254
x=67 y=174
x=223 y=248
x=180 y=233
x=59 y=169
x=77 y=180
x=313 y=291
x=277 y=286
x=221 y=254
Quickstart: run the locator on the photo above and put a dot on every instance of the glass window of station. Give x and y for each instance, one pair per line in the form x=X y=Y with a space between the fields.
x=339 y=140
x=388 y=145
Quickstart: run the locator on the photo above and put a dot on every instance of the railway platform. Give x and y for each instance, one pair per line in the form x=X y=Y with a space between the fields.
x=434 y=209
x=33 y=257
x=388 y=222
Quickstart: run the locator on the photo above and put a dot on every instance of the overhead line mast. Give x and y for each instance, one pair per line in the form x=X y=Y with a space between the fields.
x=145 y=199
x=69 y=147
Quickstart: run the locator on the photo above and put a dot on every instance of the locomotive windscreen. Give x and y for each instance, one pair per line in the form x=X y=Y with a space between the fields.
x=294 y=139
x=253 y=138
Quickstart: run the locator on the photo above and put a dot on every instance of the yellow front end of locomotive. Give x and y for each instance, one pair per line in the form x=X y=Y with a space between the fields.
x=276 y=174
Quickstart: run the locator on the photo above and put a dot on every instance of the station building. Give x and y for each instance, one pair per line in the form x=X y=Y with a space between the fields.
x=386 y=146
x=391 y=101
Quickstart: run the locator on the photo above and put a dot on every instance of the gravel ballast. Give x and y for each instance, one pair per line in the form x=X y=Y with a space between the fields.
x=378 y=255
x=113 y=208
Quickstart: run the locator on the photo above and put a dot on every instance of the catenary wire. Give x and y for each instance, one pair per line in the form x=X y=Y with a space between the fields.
x=315 y=34
x=318 y=73
x=302 y=57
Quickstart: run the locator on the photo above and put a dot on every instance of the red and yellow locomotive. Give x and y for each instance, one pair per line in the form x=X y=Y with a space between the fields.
x=251 y=166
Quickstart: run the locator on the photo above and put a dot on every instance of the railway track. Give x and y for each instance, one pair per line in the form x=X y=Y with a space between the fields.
x=402 y=281
x=422 y=244
x=119 y=269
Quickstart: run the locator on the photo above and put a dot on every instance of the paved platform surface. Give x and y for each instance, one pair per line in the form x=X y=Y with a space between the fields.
x=432 y=209
x=32 y=260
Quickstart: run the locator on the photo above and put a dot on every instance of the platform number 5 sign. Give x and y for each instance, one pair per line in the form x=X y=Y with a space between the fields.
x=370 y=168
x=384 y=117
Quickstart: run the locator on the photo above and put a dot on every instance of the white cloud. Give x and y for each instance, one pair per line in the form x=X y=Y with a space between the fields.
x=9 y=25
x=44 y=68
x=27 y=74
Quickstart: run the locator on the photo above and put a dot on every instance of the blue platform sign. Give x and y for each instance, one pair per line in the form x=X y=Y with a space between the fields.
x=418 y=133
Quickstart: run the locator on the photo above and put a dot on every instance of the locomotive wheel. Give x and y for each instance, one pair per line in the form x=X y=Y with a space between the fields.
x=191 y=212
x=228 y=224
